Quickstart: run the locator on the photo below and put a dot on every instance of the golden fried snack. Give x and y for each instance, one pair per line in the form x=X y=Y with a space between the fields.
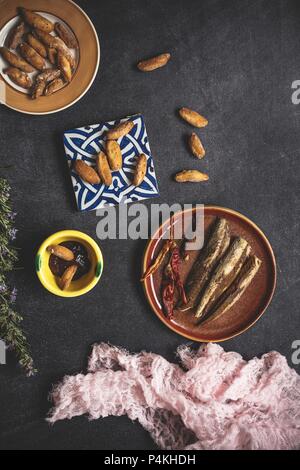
x=32 y=56
x=48 y=75
x=54 y=86
x=38 y=89
x=114 y=155
x=190 y=176
x=140 y=170
x=37 y=21
x=65 y=34
x=120 y=130
x=192 y=117
x=61 y=47
x=37 y=45
x=15 y=36
x=103 y=169
x=61 y=252
x=154 y=63
x=86 y=172
x=64 y=66
x=55 y=44
x=41 y=82
x=19 y=77
x=66 y=279
x=52 y=55
x=15 y=60
x=196 y=146
x=46 y=38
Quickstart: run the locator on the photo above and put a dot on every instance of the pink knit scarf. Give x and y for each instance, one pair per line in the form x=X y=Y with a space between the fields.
x=216 y=400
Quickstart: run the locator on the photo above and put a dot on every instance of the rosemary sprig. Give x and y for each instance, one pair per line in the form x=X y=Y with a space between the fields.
x=10 y=321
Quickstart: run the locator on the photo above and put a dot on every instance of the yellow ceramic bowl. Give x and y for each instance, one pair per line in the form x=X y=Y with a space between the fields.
x=80 y=286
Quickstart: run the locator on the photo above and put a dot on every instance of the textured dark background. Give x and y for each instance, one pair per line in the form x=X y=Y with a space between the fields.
x=235 y=61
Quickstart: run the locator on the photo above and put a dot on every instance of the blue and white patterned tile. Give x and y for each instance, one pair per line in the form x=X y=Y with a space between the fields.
x=85 y=143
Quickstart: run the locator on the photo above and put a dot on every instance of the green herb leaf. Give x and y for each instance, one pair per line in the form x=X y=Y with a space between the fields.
x=10 y=330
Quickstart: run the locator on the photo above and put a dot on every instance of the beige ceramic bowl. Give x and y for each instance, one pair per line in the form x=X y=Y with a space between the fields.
x=88 y=55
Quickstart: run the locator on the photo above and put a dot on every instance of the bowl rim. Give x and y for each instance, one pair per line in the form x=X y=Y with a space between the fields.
x=76 y=234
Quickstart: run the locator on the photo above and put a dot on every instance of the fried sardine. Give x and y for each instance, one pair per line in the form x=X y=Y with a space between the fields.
x=237 y=288
x=223 y=276
x=208 y=258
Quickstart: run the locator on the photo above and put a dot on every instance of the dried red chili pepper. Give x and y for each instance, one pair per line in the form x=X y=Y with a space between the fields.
x=170 y=280
x=171 y=277
x=175 y=264
x=168 y=290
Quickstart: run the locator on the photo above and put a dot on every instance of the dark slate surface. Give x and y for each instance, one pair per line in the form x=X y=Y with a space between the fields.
x=233 y=60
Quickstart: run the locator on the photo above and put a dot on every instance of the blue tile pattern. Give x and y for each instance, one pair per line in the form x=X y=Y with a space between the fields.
x=86 y=142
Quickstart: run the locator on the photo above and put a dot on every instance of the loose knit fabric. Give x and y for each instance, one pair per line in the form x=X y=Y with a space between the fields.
x=216 y=400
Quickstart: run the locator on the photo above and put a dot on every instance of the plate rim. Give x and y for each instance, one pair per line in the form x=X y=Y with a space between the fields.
x=191 y=337
x=45 y=113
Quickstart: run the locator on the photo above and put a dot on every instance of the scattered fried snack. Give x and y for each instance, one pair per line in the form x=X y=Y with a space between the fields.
x=66 y=279
x=48 y=75
x=66 y=35
x=154 y=63
x=140 y=170
x=37 y=45
x=16 y=35
x=114 y=155
x=15 y=60
x=54 y=86
x=38 y=89
x=61 y=251
x=19 y=77
x=120 y=130
x=193 y=118
x=36 y=21
x=64 y=66
x=52 y=55
x=31 y=56
x=196 y=146
x=86 y=172
x=103 y=169
x=190 y=176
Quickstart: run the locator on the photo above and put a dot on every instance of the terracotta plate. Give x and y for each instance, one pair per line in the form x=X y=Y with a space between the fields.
x=249 y=307
x=87 y=56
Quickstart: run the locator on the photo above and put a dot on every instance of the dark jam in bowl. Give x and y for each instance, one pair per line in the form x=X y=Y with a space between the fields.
x=58 y=266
